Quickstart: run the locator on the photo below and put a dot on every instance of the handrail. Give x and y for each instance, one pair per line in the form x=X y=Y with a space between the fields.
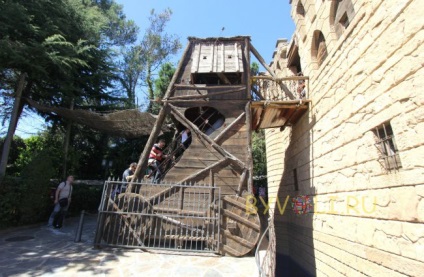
x=267 y=268
x=280 y=89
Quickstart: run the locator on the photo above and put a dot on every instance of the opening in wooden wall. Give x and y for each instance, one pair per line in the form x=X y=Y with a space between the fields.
x=208 y=119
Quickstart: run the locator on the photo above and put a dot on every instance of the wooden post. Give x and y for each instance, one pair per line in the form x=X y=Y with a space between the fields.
x=247 y=57
x=12 y=126
x=142 y=162
x=249 y=161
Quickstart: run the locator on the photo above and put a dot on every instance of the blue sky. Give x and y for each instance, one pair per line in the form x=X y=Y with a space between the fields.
x=264 y=21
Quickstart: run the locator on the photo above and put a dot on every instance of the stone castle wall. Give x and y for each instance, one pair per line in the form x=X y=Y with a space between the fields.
x=367 y=219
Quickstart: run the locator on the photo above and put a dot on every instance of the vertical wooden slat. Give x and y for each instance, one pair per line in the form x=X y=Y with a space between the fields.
x=223 y=57
x=247 y=67
x=199 y=54
x=212 y=56
x=236 y=57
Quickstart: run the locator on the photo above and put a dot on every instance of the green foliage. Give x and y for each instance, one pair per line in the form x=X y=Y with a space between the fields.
x=254 y=69
x=32 y=147
x=259 y=153
x=15 y=150
x=10 y=194
x=161 y=84
x=142 y=60
x=36 y=177
x=26 y=200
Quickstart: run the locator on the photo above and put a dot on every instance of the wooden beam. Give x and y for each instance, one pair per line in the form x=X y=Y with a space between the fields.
x=290 y=78
x=206 y=95
x=178 y=211
x=238 y=239
x=249 y=161
x=261 y=60
x=207 y=139
x=159 y=197
x=220 y=136
x=142 y=162
x=242 y=181
x=240 y=219
x=261 y=103
x=224 y=78
x=300 y=107
x=247 y=65
x=132 y=231
x=179 y=86
x=240 y=205
x=231 y=251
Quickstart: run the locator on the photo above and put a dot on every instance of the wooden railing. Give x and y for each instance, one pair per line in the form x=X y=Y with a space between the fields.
x=280 y=89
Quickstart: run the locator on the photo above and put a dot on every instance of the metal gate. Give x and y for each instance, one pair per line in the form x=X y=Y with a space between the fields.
x=178 y=217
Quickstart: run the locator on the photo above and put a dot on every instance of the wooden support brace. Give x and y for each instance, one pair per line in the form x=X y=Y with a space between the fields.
x=142 y=162
x=207 y=139
x=159 y=197
x=262 y=61
x=132 y=231
x=229 y=127
x=232 y=87
x=249 y=161
x=242 y=181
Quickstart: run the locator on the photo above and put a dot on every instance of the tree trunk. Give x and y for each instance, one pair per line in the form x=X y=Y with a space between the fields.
x=150 y=87
x=12 y=125
x=66 y=142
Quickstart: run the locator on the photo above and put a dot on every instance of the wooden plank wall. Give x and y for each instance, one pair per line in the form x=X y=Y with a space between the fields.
x=198 y=156
x=217 y=57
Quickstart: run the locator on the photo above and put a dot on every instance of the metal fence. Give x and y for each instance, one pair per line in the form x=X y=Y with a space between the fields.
x=178 y=217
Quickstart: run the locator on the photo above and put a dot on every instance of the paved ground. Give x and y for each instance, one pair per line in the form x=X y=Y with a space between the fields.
x=51 y=252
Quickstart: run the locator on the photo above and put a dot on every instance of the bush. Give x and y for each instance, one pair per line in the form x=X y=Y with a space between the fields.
x=25 y=200
x=10 y=195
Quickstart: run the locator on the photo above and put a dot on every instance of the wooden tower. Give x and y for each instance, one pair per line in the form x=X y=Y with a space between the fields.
x=210 y=94
x=213 y=95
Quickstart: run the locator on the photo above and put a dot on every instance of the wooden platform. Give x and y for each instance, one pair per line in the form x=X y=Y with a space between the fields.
x=270 y=114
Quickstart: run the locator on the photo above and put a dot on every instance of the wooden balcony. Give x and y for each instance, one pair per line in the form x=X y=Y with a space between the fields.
x=278 y=102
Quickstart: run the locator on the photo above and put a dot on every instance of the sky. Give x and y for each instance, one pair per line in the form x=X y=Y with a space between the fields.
x=264 y=21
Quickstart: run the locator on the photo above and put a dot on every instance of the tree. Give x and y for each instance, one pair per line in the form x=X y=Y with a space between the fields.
x=142 y=60
x=58 y=52
x=161 y=84
x=259 y=153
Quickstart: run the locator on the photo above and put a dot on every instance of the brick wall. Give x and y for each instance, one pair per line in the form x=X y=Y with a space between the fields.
x=367 y=220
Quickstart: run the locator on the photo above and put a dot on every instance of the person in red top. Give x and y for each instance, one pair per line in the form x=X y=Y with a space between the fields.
x=155 y=159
